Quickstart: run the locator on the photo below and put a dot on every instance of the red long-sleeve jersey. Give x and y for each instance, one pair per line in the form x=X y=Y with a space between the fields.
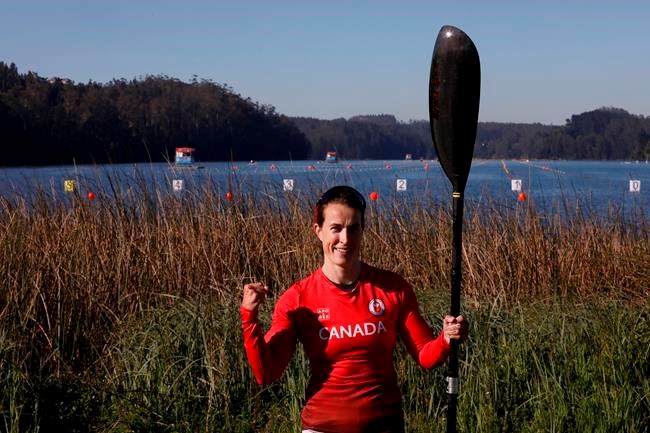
x=349 y=338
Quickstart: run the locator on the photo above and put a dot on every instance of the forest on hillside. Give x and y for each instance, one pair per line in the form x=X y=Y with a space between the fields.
x=46 y=121
x=55 y=121
x=602 y=134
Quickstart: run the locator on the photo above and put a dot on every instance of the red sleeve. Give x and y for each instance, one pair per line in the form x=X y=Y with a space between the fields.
x=269 y=354
x=418 y=336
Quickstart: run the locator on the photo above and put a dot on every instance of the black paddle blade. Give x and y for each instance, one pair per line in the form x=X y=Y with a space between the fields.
x=454 y=93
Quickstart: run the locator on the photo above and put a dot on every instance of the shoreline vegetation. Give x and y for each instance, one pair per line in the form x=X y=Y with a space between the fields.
x=119 y=317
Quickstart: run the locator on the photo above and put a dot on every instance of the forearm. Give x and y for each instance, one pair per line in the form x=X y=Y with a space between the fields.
x=267 y=355
x=434 y=353
x=428 y=350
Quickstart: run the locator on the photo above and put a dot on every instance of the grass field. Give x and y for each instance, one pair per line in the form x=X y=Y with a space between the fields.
x=122 y=317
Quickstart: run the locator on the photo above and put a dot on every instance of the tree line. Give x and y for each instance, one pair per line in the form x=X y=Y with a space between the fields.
x=603 y=134
x=56 y=121
x=367 y=137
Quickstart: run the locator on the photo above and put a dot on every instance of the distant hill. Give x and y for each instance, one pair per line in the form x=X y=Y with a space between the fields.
x=602 y=134
x=55 y=121
x=366 y=137
x=605 y=133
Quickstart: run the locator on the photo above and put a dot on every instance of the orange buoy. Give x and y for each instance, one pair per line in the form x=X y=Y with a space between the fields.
x=522 y=196
x=374 y=196
x=229 y=196
x=91 y=196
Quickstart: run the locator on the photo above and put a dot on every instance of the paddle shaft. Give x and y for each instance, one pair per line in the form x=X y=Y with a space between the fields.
x=456 y=277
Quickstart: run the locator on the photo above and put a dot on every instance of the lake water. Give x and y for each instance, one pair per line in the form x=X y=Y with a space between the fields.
x=595 y=187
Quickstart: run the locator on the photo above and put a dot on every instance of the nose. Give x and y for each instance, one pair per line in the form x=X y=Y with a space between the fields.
x=343 y=236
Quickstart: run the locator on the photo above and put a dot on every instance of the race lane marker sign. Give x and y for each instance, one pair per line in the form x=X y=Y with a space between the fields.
x=287 y=184
x=69 y=185
x=635 y=186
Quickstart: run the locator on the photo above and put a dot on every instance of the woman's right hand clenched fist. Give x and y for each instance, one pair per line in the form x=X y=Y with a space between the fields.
x=254 y=295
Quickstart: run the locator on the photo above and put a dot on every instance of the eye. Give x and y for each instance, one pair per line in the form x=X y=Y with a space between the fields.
x=354 y=229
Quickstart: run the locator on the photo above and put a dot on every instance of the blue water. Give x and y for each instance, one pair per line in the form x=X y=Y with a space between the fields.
x=550 y=186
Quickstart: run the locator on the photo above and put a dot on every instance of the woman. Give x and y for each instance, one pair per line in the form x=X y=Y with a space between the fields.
x=347 y=315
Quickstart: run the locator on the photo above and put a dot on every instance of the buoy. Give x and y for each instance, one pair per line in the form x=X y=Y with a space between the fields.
x=388 y=167
x=374 y=196
x=522 y=196
x=274 y=167
x=229 y=196
x=91 y=196
x=426 y=166
x=349 y=166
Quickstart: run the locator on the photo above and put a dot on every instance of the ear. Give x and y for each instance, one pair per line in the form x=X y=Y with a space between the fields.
x=316 y=229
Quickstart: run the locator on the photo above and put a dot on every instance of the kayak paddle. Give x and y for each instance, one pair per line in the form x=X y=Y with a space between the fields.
x=454 y=93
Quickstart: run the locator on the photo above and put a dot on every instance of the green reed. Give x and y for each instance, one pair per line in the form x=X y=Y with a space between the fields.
x=122 y=315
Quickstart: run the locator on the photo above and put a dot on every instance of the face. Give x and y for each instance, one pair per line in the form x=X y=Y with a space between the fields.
x=340 y=234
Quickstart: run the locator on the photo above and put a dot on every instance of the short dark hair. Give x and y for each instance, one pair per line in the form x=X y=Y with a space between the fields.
x=342 y=194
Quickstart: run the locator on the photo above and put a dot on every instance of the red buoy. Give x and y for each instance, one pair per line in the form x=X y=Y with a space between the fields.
x=229 y=196
x=522 y=196
x=374 y=196
x=91 y=196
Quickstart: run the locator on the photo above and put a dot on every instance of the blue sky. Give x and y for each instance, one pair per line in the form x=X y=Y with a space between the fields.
x=541 y=61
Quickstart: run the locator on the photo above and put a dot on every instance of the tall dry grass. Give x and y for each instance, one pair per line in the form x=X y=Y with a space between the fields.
x=118 y=305
x=516 y=255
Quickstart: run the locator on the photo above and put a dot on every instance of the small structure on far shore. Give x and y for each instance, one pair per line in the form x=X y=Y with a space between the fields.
x=331 y=157
x=184 y=155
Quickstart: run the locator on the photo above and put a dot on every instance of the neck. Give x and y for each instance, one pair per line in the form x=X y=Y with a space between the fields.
x=342 y=275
